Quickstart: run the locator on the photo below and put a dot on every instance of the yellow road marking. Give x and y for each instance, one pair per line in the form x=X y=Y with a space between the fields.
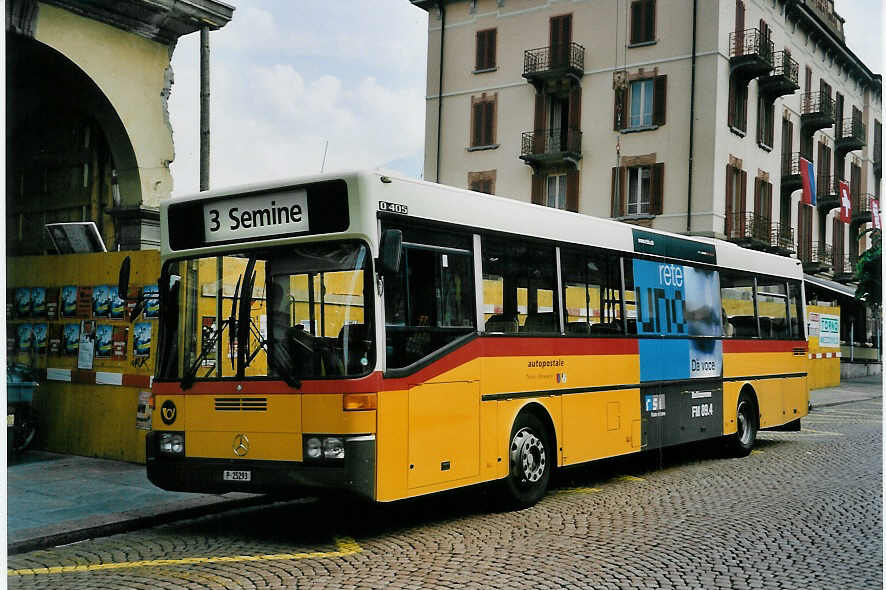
x=578 y=490
x=629 y=478
x=757 y=452
x=346 y=546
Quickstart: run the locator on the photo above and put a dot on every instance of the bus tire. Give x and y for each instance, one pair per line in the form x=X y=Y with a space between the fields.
x=530 y=460
x=747 y=424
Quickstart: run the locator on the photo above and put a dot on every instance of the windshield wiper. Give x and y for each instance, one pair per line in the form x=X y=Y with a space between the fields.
x=232 y=320
x=190 y=375
x=245 y=313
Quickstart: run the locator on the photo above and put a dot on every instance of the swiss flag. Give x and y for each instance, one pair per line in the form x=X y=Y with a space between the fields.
x=875 y=213
x=845 y=203
x=807 y=175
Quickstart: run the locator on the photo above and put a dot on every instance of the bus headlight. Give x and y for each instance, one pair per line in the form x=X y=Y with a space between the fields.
x=313 y=448
x=333 y=448
x=172 y=443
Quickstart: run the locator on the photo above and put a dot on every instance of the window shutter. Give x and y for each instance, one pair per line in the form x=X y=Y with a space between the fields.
x=739 y=16
x=767 y=201
x=743 y=180
x=575 y=108
x=659 y=100
x=538 y=132
x=476 y=123
x=730 y=113
x=572 y=191
x=649 y=21
x=538 y=189
x=481 y=50
x=758 y=203
x=617 y=196
x=490 y=48
x=657 y=197
x=636 y=21
x=489 y=123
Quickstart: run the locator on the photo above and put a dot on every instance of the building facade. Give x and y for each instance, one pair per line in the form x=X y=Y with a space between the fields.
x=686 y=116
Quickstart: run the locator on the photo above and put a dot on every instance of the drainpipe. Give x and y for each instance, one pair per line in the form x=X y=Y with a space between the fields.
x=204 y=109
x=691 y=121
x=440 y=85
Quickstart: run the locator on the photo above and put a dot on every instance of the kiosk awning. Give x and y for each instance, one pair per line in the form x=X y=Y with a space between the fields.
x=833 y=286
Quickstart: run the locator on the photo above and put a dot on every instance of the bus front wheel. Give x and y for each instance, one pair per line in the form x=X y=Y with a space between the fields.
x=530 y=456
x=747 y=424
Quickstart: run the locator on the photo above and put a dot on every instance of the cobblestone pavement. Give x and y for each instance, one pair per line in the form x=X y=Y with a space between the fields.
x=803 y=511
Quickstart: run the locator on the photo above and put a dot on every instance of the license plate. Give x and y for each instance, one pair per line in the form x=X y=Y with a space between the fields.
x=237 y=475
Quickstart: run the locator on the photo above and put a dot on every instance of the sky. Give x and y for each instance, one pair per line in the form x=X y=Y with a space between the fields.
x=287 y=86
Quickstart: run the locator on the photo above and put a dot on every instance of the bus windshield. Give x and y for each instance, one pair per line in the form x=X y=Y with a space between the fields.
x=291 y=312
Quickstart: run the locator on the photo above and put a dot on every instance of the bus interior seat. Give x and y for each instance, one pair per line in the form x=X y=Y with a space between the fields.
x=506 y=324
x=632 y=325
x=765 y=326
x=605 y=329
x=778 y=327
x=545 y=322
x=359 y=342
x=745 y=326
x=578 y=328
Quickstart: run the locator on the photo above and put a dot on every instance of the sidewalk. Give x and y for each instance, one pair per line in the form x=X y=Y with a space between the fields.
x=56 y=499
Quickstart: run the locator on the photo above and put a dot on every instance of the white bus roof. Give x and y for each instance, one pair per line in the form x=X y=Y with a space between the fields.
x=446 y=204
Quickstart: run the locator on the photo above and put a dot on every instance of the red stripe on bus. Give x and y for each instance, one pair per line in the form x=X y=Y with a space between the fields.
x=762 y=345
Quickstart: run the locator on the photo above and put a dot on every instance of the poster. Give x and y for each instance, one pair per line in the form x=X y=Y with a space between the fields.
x=145 y=407
x=207 y=347
x=86 y=348
x=52 y=304
x=38 y=302
x=25 y=338
x=103 y=337
x=69 y=301
x=71 y=338
x=131 y=301
x=84 y=302
x=141 y=339
x=23 y=302
x=118 y=306
x=119 y=340
x=56 y=335
x=829 y=330
x=101 y=301
x=151 y=293
x=41 y=337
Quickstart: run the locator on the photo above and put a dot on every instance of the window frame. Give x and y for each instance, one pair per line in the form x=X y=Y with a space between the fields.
x=642 y=33
x=484 y=112
x=486 y=48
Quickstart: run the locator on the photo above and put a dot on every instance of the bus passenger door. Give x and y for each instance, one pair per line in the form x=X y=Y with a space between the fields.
x=444 y=432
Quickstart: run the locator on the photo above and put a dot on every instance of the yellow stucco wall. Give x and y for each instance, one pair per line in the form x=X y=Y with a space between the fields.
x=823 y=372
x=130 y=71
x=79 y=418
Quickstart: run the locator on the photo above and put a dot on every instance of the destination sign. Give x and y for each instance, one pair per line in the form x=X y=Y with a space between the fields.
x=267 y=214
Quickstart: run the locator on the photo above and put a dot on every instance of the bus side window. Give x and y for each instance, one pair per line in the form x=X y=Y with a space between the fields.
x=795 y=310
x=591 y=292
x=772 y=307
x=737 y=301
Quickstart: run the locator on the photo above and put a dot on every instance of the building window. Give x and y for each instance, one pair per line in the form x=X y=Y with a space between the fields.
x=642 y=105
x=642 y=21
x=482 y=182
x=765 y=122
x=738 y=106
x=556 y=191
x=485 y=50
x=736 y=199
x=483 y=120
x=637 y=190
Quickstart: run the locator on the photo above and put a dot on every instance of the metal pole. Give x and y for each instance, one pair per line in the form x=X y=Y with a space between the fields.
x=204 y=108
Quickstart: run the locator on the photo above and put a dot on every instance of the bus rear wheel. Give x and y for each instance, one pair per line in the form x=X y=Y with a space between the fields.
x=741 y=443
x=530 y=456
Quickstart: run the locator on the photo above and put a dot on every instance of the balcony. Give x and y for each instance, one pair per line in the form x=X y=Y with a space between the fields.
x=817 y=111
x=781 y=240
x=783 y=79
x=849 y=136
x=790 y=173
x=749 y=230
x=554 y=63
x=827 y=193
x=844 y=268
x=750 y=54
x=815 y=259
x=861 y=208
x=550 y=146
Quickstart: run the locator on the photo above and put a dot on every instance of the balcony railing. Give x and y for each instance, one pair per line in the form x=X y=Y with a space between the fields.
x=781 y=239
x=851 y=134
x=815 y=258
x=783 y=79
x=844 y=266
x=554 y=59
x=790 y=172
x=827 y=187
x=751 y=42
x=550 y=144
x=748 y=228
x=818 y=107
x=861 y=207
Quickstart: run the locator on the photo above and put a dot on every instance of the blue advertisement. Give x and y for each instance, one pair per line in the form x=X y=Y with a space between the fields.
x=71 y=338
x=23 y=302
x=151 y=293
x=141 y=339
x=101 y=301
x=117 y=303
x=69 y=301
x=38 y=301
x=25 y=337
x=681 y=303
x=40 y=332
x=103 y=337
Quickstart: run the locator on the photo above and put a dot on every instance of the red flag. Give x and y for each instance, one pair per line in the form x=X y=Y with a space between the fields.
x=845 y=203
x=807 y=175
x=875 y=213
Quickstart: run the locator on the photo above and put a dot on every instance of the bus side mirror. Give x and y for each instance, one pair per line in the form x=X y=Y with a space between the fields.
x=389 y=251
x=123 y=280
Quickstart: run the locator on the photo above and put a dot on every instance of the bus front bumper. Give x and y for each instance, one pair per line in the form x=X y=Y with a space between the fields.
x=355 y=474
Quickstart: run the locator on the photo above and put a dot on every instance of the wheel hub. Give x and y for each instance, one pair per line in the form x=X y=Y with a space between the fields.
x=528 y=458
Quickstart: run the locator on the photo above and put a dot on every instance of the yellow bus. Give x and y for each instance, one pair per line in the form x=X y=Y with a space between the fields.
x=393 y=338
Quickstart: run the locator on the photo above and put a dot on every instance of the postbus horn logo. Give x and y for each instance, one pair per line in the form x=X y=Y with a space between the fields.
x=168 y=412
